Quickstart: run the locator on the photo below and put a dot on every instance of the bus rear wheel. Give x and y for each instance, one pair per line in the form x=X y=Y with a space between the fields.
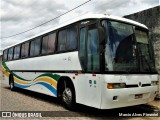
x=68 y=96
x=11 y=83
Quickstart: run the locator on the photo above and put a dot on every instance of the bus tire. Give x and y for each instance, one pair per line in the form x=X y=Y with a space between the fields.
x=11 y=83
x=68 y=96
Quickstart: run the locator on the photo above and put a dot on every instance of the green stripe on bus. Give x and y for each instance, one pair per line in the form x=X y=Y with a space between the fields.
x=5 y=66
x=55 y=76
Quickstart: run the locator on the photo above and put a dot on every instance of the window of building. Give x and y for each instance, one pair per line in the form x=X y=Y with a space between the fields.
x=35 y=47
x=24 y=50
x=10 y=54
x=16 y=52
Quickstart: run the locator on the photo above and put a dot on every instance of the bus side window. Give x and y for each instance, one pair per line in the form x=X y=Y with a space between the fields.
x=82 y=48
x=45 y=44
x=62 y=40
x=35 y=47
x=10 y=54
x=5 y=54
x=72 y=38
x=24 y=50
x=51 y=42
x=48 y=43
x=67 y=39
x=16 y=52
x=93 y=60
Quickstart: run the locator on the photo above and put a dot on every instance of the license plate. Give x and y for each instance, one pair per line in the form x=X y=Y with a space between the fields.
x=137 y=96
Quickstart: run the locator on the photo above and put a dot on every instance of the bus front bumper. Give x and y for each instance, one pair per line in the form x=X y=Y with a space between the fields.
x=116 y=98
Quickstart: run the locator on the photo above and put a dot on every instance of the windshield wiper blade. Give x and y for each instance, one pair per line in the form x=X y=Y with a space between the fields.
x=147 y=63
x=145 y=60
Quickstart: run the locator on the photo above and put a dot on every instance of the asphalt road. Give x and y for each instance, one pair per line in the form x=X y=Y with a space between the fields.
x=23 y=101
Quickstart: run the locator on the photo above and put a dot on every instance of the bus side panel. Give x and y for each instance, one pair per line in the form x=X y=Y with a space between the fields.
x=57 y=62
x=5 y=75
x=27 y=76
x=88 y=89
x=45 y=83
x=5 y=79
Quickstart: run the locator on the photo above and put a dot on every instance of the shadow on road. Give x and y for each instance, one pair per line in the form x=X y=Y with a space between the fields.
x=36 y=95
x=85 y=111
x=137 y=111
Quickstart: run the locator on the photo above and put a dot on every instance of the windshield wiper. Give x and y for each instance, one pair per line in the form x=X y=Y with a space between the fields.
x=145 y=60
x=150 y=69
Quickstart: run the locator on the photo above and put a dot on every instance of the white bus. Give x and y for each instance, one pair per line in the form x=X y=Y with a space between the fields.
x=96 y=60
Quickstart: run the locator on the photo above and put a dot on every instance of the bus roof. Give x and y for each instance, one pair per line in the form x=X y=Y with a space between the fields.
x=85 y=17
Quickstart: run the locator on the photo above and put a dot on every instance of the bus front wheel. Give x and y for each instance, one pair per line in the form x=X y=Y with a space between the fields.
x=68 y=96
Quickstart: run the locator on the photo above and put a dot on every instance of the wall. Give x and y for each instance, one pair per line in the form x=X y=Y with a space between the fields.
x=151 y=18
x=0 y=67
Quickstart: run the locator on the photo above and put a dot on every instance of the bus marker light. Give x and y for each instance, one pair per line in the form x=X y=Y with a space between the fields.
x=93 y=74
x=79 y=72
x=110 y=86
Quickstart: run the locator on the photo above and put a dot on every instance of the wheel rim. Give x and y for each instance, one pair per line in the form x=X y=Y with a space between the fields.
x=67 y=95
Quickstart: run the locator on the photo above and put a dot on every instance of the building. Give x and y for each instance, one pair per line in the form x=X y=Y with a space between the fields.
x=151 y=18
x=0 y=66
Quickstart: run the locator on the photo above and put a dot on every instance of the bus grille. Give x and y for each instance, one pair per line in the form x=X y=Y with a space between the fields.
x=135 y=85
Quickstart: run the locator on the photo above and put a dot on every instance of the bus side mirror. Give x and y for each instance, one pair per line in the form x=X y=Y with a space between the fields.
x=102 y=35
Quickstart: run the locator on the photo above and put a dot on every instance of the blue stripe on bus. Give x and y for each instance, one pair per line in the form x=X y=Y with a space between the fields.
x=21 y=86
x=52 y=89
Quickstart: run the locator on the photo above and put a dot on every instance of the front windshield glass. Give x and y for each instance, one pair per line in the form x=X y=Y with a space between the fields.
x=145 y=52
x=126 y=47
x=120 y=48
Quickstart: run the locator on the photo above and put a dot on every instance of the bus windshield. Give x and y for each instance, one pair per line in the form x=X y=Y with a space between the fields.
x=127 y=48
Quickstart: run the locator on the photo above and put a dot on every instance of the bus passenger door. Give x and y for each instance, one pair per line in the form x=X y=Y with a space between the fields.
x=89 y=52
x=90 y=62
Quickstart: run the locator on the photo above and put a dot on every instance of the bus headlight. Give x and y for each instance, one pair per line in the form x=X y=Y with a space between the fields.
x=154 y=82
x=115 y=85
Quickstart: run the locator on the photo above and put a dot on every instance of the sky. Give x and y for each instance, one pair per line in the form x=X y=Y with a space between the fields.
x=20 y=15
